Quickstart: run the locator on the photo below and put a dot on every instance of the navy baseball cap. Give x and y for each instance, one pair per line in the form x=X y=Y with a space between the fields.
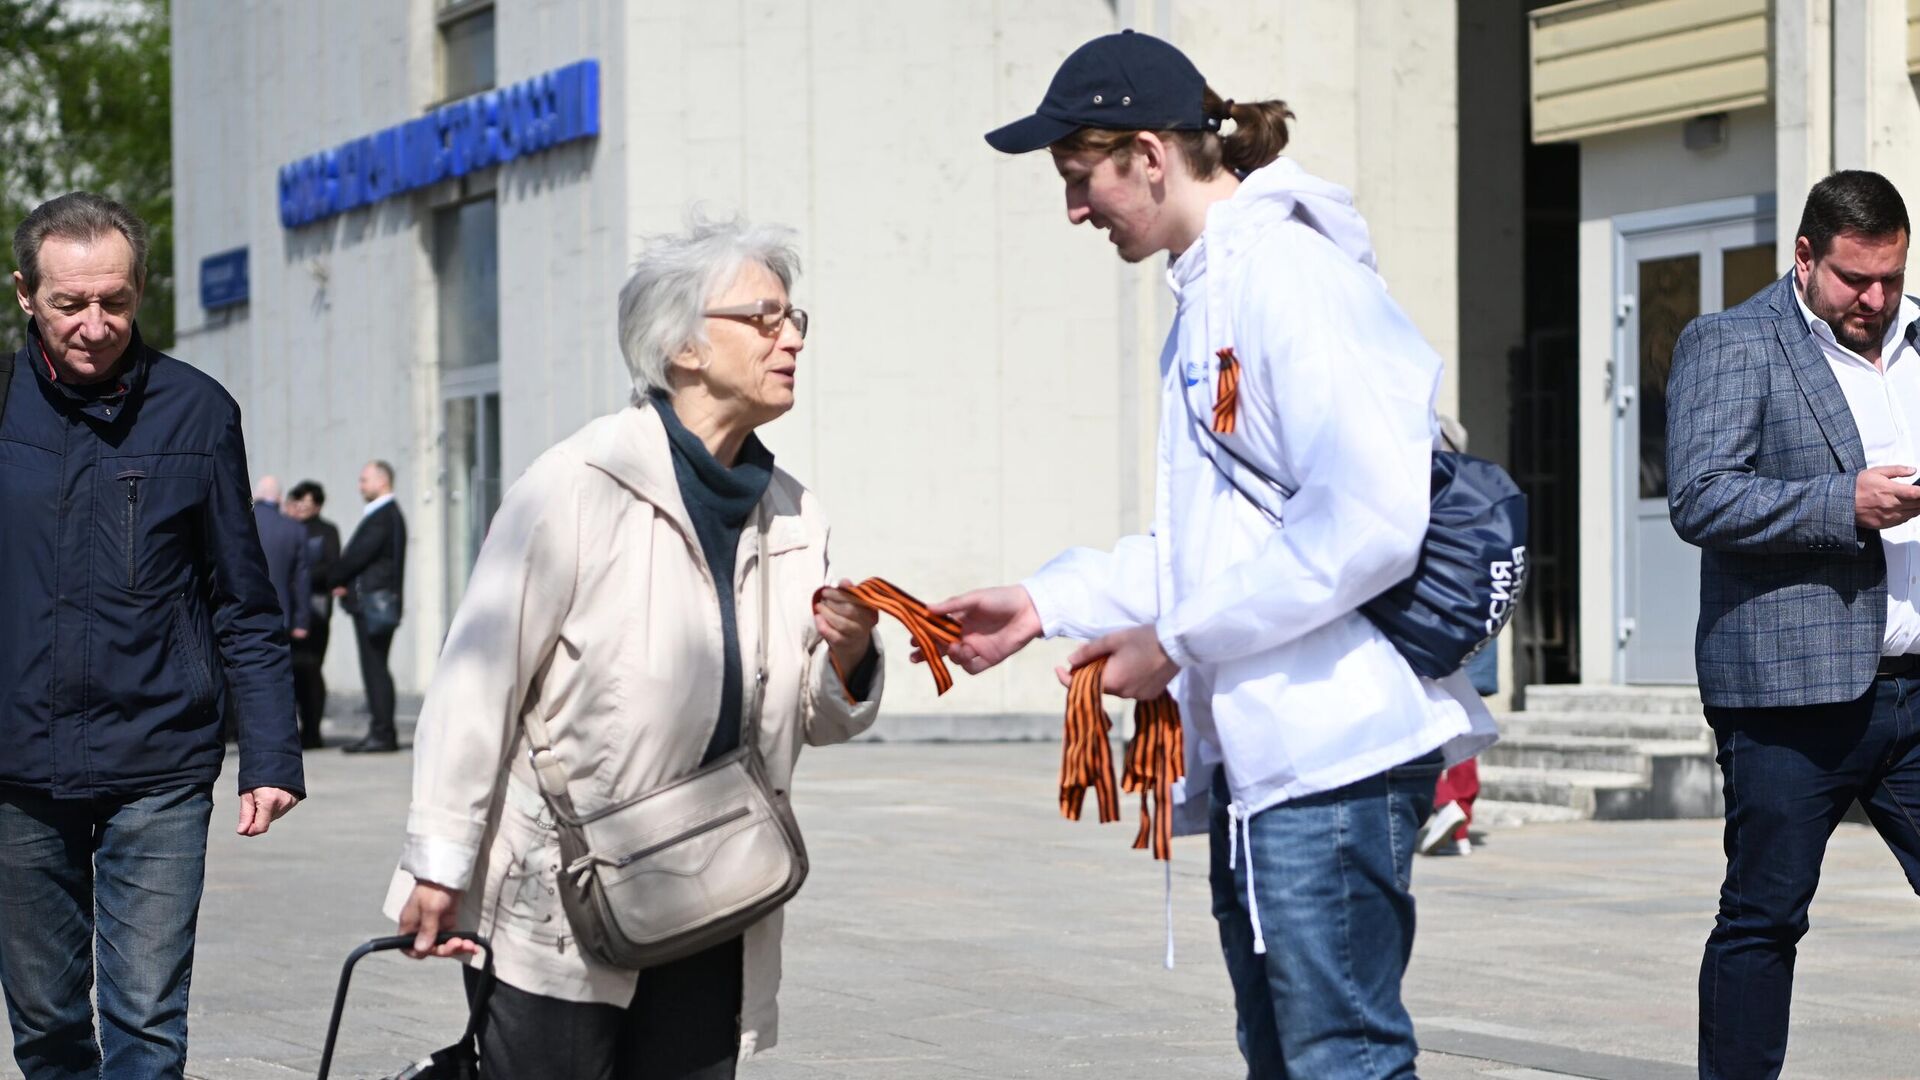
x=1120 y=82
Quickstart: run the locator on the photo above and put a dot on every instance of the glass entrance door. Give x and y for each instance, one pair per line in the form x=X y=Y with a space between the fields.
x=471 y=482
x=1671 y=277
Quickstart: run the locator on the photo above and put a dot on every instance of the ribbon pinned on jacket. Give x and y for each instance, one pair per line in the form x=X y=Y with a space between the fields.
x=929 y=631
x=1156 y=757
x=1226 y=401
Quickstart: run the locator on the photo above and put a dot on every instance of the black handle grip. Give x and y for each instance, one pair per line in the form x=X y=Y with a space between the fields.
x=405 y=941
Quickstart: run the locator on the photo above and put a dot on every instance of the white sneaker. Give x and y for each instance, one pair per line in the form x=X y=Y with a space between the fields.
x=1439 y=828
x=1464 y=846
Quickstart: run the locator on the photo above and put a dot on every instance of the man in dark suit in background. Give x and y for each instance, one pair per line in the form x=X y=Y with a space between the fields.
x=1793 y=429
x=303 y=505
x=285 y=545
x=370 y=575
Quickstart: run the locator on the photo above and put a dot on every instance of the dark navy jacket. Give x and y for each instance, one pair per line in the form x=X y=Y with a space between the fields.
x=284 y=542
x=135 y=609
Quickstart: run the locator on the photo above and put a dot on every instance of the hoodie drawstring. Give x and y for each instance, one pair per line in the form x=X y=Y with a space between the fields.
x=1240 y=834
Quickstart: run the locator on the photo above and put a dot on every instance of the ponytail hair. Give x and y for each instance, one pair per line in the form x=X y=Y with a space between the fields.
x=1259 y=135
x=1259 y=132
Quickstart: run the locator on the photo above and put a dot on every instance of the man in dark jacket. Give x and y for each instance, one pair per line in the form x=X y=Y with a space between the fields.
x=137 y=612
x=370 y=576
x=284 y=542
x=310 y=653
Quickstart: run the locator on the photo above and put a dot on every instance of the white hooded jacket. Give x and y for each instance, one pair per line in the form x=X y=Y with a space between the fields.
x=1282 y=679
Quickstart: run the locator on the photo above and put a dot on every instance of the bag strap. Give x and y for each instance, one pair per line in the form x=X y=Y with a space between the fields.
x=1211 y=446
x=552 y=775
x=750 y=731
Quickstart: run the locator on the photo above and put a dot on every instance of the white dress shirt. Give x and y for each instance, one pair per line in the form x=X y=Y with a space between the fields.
x=377 y=504
x=1885 y=403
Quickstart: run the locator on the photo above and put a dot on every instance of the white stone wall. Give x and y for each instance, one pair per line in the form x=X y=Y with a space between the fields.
x=978 y=390
x=327 y=360
x=1374 y=85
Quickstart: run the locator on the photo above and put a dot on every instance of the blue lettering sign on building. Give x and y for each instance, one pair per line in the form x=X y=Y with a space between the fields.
x=453 y=140
x=223 y=279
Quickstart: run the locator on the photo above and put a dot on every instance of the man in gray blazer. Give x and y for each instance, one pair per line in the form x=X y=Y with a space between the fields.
x=1793 y=429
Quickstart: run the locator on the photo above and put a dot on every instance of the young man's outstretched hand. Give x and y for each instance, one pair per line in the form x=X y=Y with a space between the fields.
x=998 y=622
x=994 y=624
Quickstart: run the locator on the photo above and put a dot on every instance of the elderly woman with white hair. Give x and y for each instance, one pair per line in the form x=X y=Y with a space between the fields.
x=615 y=614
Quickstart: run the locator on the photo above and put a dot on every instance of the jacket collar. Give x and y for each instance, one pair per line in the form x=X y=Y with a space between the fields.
x=111 y=405
x=637 y=455
x=1815 y=376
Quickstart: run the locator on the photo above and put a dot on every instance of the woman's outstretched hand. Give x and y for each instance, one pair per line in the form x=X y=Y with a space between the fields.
x=994 y=624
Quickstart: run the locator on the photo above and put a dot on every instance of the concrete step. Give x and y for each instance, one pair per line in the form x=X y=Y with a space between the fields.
x=1672 y=785
x=1497 y=814
x=1589 y=753
x=1587 y=793
x=1575 y=698
x=1656 y=727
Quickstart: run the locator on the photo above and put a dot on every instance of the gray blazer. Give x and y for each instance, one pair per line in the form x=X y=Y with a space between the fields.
x=1762 y=452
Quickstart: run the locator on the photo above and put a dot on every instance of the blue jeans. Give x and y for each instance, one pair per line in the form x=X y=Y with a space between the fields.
x=1330 y=875
x=105 y=889
x=1789 y=775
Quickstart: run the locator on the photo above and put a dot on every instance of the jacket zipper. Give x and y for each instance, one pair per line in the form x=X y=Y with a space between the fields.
x=704 y=827
x=133 y=502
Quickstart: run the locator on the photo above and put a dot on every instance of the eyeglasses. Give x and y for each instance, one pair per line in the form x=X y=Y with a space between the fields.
x=765 y=314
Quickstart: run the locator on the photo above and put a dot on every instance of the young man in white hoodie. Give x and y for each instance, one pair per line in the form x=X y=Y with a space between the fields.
x=1286 y=499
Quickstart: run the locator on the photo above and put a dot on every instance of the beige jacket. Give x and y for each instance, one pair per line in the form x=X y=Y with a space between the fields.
x=591 y=602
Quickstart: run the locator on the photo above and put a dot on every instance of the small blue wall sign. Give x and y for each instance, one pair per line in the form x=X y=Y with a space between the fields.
x=223 y=279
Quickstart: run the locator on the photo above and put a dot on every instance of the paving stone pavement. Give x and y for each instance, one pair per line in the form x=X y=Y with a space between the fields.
x=954 y=926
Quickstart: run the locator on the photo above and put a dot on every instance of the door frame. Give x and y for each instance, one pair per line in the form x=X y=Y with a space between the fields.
x=476 y=384
x=1623 y=394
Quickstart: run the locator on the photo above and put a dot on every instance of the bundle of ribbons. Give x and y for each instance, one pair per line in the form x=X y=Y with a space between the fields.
x=1156 y=755
x=1155 y=758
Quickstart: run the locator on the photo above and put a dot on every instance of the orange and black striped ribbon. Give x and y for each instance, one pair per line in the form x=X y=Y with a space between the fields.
x=1086 y=756
x=929 y=631
x=1226 y=401
x=1155 y=759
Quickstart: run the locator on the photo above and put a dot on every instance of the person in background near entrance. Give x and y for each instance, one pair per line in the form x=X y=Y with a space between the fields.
x=1792 y=431
x=1312 y=746
x=135 y=613
x=618 y=593
x=284 y=543
x=309 y=653
x=1445 y=832
x=370 y=578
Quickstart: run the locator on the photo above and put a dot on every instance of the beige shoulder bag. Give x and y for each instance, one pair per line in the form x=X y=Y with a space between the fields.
x=686 y=865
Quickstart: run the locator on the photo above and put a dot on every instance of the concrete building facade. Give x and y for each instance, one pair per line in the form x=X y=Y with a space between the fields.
x=1700 y=125
x=1554 y=190
x=978 y=390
